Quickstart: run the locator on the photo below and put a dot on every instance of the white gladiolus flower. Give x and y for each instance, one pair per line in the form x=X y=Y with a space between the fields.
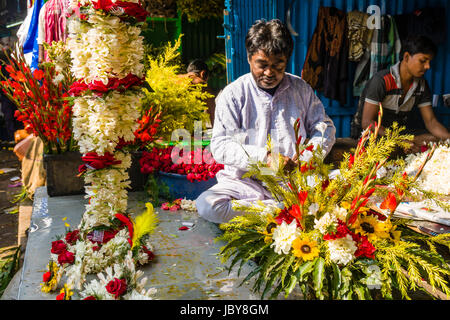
x=342 y=250
x=340 y=213
x=322 y=127
x=313 y=208
x=283 y=236
x=381 y=173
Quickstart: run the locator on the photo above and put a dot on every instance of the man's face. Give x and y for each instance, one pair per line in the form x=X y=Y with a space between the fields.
x=418 y=63
x=268 y=71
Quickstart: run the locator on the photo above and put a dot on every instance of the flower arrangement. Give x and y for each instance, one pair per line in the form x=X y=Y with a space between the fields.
x=42 y=101
x=197 y=165
x=322 y=234
x=180 y=102
x=107 y=62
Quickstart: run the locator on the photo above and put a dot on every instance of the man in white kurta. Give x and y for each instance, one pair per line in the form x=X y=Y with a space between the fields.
x=266 y=101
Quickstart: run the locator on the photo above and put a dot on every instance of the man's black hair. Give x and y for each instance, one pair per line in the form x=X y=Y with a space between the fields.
x=418 y=44
x=196 y=66
x=272 y=37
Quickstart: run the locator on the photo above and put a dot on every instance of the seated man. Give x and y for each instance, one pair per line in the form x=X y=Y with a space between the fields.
x=266 y=101
x=404 y=95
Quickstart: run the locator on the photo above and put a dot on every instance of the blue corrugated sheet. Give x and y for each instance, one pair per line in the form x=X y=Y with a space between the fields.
x=242 y=13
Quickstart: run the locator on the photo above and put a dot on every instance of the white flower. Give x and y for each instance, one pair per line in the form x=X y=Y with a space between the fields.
x=326 y=223
x=342 y=250
x=340 y=213
x=322 y=127
x=435 y=175
x=381 y=172
x=306 y=156
x=313 y=208
x=283 y=236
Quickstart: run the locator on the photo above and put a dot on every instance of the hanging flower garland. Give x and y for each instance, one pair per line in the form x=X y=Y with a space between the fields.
x=107 y=62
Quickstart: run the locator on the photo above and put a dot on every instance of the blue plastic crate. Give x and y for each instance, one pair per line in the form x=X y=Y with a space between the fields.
x=181 y=187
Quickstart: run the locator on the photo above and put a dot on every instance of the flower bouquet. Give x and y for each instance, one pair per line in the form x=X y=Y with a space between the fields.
x=323 y=234
x=42 y=101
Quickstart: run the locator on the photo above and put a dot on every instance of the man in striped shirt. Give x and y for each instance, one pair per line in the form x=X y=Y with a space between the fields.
x=404 y=95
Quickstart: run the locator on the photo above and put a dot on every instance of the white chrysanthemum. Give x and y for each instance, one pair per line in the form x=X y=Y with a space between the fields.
x=342 y=250
x=306 y=156
x=283 y=236
x=435 y=175
x=326 y=223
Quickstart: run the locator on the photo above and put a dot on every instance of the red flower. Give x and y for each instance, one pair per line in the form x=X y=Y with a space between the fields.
x=77 y=88
x=150 y=254
x=60 y=296
x=341 y=231
x=58 y=247
x=302 y=196
x=295 y=212
x=66 y=257
x=351 y=160
x=365 y=249
x=72 y=237
x=38 y=74
x=390 y=202
x=90 y=298
x=124 y=219
x=183 y=228
x=117 y=287
x=47 y=276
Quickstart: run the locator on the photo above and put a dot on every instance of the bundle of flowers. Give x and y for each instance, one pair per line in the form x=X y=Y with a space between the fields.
x=42 y=101
x=435 y=176
x=321 y=235
x=197 y=165
x=107 y=63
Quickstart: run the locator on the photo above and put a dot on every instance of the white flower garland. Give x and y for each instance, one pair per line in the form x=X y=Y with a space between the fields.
x=103 y=47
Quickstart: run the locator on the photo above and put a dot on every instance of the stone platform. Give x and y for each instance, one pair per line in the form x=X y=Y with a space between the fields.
x=187 y=265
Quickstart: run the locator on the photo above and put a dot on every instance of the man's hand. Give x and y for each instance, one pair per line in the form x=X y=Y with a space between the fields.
x=288 y=163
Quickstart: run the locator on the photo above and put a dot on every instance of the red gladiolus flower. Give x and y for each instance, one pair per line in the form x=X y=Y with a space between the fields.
x=38 y=74
x=302 y=196
x=351 y=161
x=295 y=211
x=390 y=202
x=117 y=287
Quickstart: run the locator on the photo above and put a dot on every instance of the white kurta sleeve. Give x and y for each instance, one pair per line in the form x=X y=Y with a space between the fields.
x=228 y=142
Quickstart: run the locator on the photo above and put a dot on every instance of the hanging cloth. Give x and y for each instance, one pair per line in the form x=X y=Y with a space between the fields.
x=325 y=67
x=359 y=35
x=30 y=45
x=384 y=51
x=55 y=21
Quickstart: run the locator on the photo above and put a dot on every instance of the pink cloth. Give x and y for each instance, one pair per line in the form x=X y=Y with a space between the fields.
x=55 y=21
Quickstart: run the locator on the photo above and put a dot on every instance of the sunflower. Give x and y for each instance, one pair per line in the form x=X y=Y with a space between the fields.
x=371 y=227
x=268 y=230
x=305 y=248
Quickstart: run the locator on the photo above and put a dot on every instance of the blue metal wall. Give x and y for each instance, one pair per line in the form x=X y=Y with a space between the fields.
x=240 y=15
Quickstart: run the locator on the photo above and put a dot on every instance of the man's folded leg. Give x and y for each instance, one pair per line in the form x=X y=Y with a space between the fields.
x=215 y=204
